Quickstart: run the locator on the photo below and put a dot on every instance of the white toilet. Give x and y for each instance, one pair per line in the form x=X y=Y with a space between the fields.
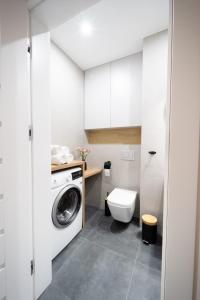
x=121 y=203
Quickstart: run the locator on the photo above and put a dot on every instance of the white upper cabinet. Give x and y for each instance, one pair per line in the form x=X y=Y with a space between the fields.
x=113 y=94
x=97 y=97
x=126 y=91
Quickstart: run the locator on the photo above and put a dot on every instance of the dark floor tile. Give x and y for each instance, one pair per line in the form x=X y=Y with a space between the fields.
x=91 y=222
x=90 y=212
x=60 y=259
x=150 y=255
x=145 y=283
x=52 y=293
x=94 y=273
x=115 y=236
x=98 y=263
x=93 y=215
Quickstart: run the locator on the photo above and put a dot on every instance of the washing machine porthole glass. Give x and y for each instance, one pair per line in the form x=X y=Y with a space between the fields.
x=66 y=207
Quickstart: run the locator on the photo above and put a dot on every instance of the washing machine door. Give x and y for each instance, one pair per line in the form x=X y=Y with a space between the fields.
x=66 y=206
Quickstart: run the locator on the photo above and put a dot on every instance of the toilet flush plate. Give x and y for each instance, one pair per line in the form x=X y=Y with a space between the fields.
x=127 y=155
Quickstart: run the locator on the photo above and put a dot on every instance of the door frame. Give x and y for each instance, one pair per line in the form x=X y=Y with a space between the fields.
x=177 y=275
x=180 y=199
x=15 y=169
x=176 y=150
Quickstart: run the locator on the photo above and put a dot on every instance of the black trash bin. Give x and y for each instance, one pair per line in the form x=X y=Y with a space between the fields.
x=149 y=229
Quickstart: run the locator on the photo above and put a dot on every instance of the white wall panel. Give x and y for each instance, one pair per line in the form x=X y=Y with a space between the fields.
x=155 y=54
x=67 y=105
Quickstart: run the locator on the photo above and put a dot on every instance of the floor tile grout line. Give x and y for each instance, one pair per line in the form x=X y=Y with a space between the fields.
x=151 y=268
x=135 y=261
x=76 y=249
x=106 y=248
x=98 y=244
x=142 y=263
x=129 y=287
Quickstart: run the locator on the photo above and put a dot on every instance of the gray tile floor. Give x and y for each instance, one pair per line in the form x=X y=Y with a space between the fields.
x=107 y=260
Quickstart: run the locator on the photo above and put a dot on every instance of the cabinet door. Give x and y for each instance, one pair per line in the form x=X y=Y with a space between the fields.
x=126 y=91
x=97 y=97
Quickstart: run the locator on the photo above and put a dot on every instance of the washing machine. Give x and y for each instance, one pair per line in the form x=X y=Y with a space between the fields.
x=66 y=214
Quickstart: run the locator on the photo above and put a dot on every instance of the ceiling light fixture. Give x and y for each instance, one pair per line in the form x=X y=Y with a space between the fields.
x=86 y=29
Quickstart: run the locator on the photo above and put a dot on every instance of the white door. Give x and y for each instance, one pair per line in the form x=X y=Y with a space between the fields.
x=97 y=97
x=41 y=156
x=16 y=282
x=126 y=91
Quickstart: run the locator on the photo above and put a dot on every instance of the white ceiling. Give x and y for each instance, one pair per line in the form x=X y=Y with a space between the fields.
x=119 y=26
x=53 y=13
x=119 y=29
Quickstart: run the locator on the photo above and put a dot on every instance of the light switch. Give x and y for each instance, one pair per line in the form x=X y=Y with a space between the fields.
x=127 y=155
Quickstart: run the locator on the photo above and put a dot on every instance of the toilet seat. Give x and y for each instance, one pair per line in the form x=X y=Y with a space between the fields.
x=122 y=198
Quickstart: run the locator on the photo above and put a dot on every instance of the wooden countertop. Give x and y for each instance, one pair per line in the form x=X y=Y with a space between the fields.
x=74 y=163
x=91 y=171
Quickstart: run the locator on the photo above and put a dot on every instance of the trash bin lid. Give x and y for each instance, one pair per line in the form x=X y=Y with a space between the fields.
x=149 y=220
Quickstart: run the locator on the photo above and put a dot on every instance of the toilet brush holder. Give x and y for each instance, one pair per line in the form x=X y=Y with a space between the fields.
x=107 y=210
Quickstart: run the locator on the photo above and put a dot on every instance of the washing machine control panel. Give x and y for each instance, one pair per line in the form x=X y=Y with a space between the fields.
x=66 y=177
x=77 y=174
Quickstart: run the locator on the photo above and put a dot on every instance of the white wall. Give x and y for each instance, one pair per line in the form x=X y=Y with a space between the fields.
x=66 y=91
x=15 y=171
x=181 y=192
x=155 y=52
x=124 y=174
x=41 y=156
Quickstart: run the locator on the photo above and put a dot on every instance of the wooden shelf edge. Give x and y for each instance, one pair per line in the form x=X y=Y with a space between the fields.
x=92 y=171
x=75 y=163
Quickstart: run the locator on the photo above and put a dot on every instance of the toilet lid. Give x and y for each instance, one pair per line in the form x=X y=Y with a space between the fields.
x=122 y=197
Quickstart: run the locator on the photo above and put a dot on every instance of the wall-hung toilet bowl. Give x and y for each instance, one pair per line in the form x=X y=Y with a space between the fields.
x=121 y=203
